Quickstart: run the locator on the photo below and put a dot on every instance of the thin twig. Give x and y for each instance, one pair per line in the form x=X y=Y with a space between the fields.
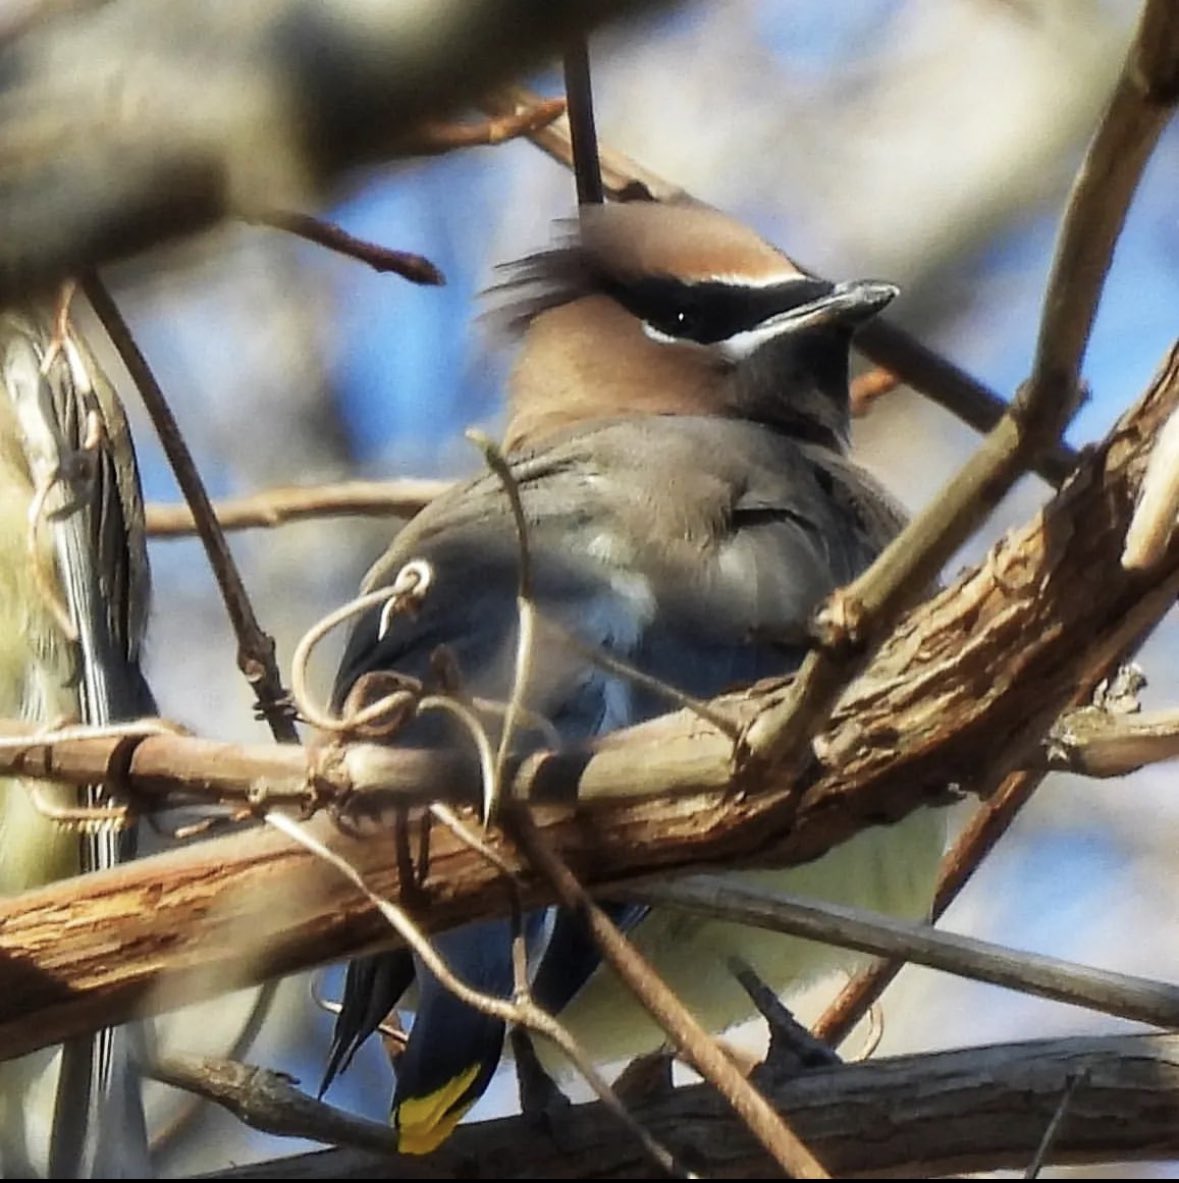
x=435 y=137
x=1052 y=1130
x=411 y=585
x=622 y=178
x=525 y=613
x=386 y=260
x=291 y=503
x=692 y=1041
x=255 y=652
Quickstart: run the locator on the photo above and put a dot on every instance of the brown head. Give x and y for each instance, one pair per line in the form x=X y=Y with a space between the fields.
x=677 y=309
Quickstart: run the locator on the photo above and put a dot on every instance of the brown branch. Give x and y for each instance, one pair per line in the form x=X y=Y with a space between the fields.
x=435 y=137
x=255 y=648
x=1094 y=742
x=926 y=371
x=934 y=1115
x=292 y=503
x=996 y=655
x=690 y=1039
x=269 y=1101
x=415 y=268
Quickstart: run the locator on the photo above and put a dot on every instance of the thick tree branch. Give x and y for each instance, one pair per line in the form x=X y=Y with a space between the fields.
x=966 y=682
x=980 y=1109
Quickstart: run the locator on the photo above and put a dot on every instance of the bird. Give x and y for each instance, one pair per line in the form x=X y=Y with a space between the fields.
x=74 y=593
x=677 y=431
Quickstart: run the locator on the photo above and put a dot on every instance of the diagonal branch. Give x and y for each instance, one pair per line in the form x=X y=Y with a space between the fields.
x=860 y=614
x=255 y=652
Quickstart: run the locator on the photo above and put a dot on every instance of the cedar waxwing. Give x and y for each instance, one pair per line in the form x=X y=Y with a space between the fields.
x=73 y=593
x=678 y=425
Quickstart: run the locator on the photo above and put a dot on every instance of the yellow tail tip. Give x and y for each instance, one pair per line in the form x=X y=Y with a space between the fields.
x=424 y=1123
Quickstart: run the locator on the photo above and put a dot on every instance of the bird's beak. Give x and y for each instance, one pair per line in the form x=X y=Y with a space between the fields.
x=847 y=304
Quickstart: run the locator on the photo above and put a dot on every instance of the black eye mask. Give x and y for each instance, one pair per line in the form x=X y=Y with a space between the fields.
x=712 y=310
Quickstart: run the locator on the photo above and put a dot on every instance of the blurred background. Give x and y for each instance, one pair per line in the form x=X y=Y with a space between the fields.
x=928 y=142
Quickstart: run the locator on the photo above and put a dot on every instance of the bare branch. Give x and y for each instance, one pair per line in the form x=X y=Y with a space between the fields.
x=255 y=653
x=939 y=1115
x=292 y=503
x=270 y=1102
x=383 y=259
x=1096 y=743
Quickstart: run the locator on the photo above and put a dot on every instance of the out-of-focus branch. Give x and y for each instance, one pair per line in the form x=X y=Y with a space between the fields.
x=125 y=125
x=415 y=268
x=888 y=346
x=623 y=179
x=938 y=1115
x=866 y=388
x=292 y=503
x=255 y=647
x=435 y=137
x=967 y=682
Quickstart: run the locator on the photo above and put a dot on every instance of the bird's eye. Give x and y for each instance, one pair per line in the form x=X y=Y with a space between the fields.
x=683 y=319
